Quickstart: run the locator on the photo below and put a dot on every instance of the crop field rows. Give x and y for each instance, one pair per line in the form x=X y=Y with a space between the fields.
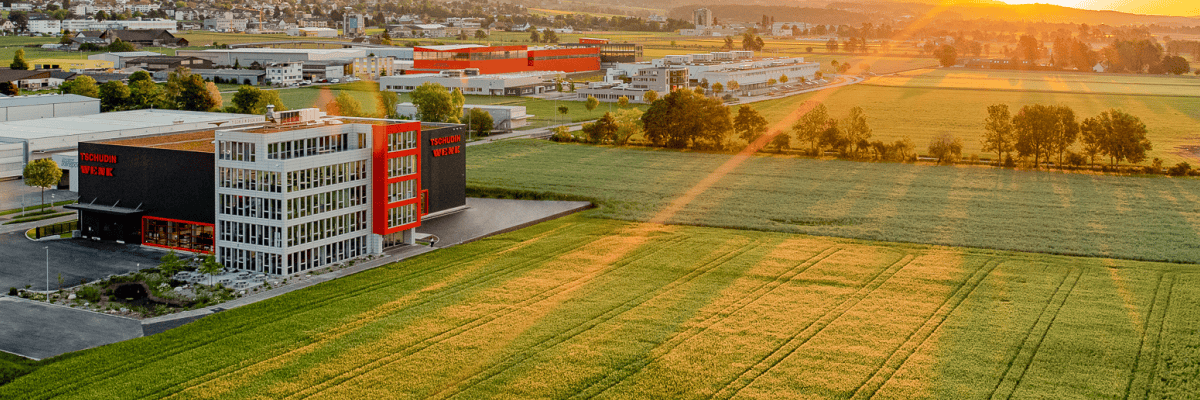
x=591 y=308
x=1155 y=219
x=1044 y=81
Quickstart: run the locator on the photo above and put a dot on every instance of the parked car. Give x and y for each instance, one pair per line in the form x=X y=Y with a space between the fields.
x=335 y=80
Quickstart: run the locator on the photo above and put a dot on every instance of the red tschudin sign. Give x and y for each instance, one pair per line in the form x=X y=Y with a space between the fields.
x=446 y=140
x=100 y=158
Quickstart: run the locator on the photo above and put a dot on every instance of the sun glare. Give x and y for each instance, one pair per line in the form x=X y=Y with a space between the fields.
x=1152 y=7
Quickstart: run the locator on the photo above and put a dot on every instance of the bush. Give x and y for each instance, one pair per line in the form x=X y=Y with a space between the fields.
x=1181 y=169
x=89 y=293
x=1009 y=162
x=12 y=291
x=561 y=135
x=1075 y=159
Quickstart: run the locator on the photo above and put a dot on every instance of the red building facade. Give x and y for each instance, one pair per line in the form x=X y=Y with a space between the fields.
x=505 y=59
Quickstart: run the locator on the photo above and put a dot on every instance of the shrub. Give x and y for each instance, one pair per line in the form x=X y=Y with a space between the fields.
x=1181 y=169
x=1009 y=162
x=1075 y=159
x=90 y=293
x=561 y=135
x=12 y=291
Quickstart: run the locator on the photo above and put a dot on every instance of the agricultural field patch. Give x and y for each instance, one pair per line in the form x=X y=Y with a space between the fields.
x=594 y=308
x=922 y=114
x=1044 y=81
x=1152 y=218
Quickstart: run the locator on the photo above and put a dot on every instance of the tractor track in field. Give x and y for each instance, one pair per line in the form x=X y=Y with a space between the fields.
x=1145 y=356
x=342 y=330
x=480 y=321
x=633 y=367
x=299 y=306
x=608 y=315
x=789 y=346
x=913 y=342
x=1016 y=351
x=1025 y=362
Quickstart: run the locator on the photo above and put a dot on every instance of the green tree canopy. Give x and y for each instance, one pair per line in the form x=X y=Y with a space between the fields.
x=810 y=125
x=683 y=118
x=114 y=96
x=591 y=103
x=480 y=122
x=140 y=76
x=19 y=60
x=144 y=94
x=83 y=86
x=650 y=96
x=247 y=99
x=434 y=103
x=348 y=106
x=998 y=131
x=858 y=131
x=945 y=148
x=748 y=124
x=42 y=173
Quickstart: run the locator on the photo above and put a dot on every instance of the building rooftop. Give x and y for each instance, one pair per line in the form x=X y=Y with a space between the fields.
x=201 y=141
x=110 y=121
x=135 y=53
x=447 y=47
x=43 y=99
x=294 y=51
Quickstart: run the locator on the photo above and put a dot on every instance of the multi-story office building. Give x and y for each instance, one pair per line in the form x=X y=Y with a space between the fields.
x=297 y=192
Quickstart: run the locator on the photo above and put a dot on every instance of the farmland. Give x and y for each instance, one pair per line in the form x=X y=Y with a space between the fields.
x=585 y=307
x=924 y=113
x=1045 y=81
x=1075 y=214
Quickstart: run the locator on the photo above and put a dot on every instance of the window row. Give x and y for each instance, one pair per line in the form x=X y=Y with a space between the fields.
x=402 y=141
x=249 y=179
x=401 y=166
x=328 y=254
x=251 y=260
x=326 y=228
x=328 y=175
x=402 y=215
x=235 y=151
x=403 y=190
x=255 y=234
x=324 y=202
x=253 y=207
x=308 y=147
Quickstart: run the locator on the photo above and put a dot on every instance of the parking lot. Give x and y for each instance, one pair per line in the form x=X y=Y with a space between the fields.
x=23 y=261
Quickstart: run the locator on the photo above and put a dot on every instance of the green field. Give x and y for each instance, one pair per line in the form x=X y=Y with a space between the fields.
x=925 y=113
x=583 y=307
x=1072 y=82
x=1062 y=213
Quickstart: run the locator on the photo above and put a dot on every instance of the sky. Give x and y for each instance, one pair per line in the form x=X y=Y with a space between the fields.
x=1187 y=8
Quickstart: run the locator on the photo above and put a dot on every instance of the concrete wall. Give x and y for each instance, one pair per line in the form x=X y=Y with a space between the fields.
x=12 y=160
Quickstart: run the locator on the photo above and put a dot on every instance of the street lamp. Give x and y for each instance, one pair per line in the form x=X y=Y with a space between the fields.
x=47 y=273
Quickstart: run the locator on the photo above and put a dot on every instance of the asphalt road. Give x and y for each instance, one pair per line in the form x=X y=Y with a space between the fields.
x=23 y=261
x=39 y=330
x=487 y=217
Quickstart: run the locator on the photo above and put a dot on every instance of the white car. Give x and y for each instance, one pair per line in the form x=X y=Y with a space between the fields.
x=335 y=80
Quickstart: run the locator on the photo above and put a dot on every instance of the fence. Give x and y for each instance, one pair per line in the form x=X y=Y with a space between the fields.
x=55 y=229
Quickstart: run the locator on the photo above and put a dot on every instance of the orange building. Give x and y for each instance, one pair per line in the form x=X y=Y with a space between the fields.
x=505 y=59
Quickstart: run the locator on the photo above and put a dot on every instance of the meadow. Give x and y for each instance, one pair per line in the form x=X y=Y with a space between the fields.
x=591 y=308
x=1150 y=218
x=1071 y=82
x=923 y=114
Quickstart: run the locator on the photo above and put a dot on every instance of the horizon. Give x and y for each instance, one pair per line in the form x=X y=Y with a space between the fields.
x=1145 y=7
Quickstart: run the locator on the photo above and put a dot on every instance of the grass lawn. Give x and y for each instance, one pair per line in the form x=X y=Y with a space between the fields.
x=1152 y=218
x=590 y=307
x=925 y=113
x=1074 y=82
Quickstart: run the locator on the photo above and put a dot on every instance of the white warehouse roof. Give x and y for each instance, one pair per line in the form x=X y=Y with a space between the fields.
x=17 y=101
x=66 y=132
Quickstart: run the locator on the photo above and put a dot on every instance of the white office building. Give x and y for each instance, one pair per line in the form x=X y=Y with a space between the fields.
x=285 y=73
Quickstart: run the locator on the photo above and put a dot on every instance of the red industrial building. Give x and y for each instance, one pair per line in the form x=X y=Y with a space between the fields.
x=505 y=59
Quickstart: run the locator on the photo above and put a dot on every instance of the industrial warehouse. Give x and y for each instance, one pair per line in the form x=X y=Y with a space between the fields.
x=299 y=191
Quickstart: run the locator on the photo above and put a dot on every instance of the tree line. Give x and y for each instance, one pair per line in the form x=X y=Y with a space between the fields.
x=184 y=90
x=1048 y=133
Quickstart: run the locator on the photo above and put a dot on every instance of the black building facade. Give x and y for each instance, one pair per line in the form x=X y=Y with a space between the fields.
x=443 y=167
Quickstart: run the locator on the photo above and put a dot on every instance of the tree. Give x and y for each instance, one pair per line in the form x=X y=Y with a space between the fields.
x=771 y=82
x=1175 y=65
x=1034 y=125
x=480 y=122
x=534 y=37
x=9 y=89
x=480 y=34
x=114 y=96
x=629 y=123
x=66 y=37
x=214 y=94
x=700 y=90
x=650 y=96
x=998 y=131
x=549 y=36
x=194 y=94
x=246 y=99
x=144 y=94
x=83 y=86
x=623 y=102
x=856 y=128
x=833 y=137
x=563 y=110
x=783 y=78
x=210 y=267
x=348 y=106
x=591 y=103
x=19 y=60
x=748 y=124
x=388 y=101
x=831 y=45
x=170 y=264
x=120 y=46
x=945 y=147
x=1124 y=137
x=811 y=124
x=733 y=85
x=1094 y=136
x=140 y=76
x=718 y=88
x=728 y=43
x=683 y=118
x=604 y=129
x=434 y=103
x=20 y=21
x=42 y=173
x=947 y=55
x=1065 y=131
x=781 y=141
x=1029 y=48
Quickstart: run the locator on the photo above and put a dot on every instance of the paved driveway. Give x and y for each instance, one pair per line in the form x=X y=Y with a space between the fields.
x=487 y=217
x=39 y=330
x=14 y=191
x=23 y=261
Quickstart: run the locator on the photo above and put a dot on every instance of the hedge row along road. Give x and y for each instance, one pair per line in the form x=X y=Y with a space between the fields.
x=592 y=308
x=1154 y=219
